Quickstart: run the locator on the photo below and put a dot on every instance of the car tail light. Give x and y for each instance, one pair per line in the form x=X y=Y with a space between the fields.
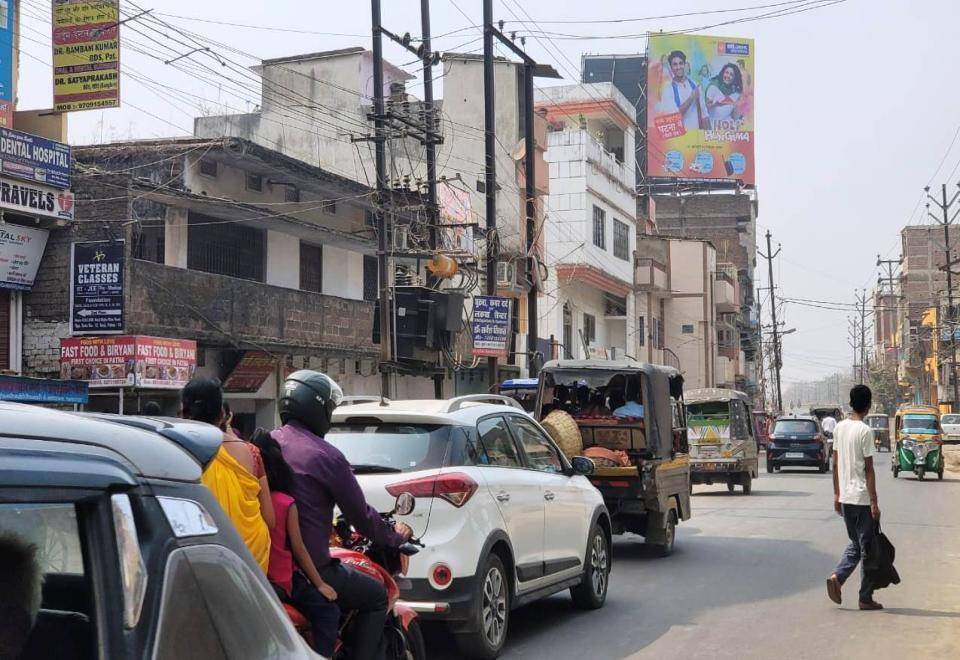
x=441 y=576
x=455 y=487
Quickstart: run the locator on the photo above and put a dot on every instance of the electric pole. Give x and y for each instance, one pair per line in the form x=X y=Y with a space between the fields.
x=380 y=151
x=862 y=306
x=777 y=361
x=949 y=318
x=853 y=334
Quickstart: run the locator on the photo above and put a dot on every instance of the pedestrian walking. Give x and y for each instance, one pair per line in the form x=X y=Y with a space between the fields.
x=855 y=496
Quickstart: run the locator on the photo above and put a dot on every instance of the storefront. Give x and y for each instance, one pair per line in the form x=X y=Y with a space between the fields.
x=125 y=371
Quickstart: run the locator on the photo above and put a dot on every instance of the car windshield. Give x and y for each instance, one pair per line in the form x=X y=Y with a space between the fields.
x=795 y=427
x=950 y=419
x=383 y=448
x=920 y=423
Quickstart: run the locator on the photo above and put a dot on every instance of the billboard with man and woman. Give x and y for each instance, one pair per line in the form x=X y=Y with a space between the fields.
x=700 y=107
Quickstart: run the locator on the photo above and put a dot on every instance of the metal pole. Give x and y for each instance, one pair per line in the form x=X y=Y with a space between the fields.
x=945 y=207
x=777 y=362
x=490 y=167
x=386 y=344
x=530 y=176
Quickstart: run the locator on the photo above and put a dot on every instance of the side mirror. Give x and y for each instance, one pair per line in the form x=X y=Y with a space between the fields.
x=405 y=505
x=582 y=465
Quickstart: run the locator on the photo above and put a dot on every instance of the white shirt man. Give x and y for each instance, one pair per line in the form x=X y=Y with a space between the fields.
x=829 y=424
x=853 y=443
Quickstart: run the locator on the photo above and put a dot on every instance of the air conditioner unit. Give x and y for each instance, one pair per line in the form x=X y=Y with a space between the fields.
x=506 y=274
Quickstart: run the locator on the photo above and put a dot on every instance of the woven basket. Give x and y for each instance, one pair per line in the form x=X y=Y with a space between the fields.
x=564 y=430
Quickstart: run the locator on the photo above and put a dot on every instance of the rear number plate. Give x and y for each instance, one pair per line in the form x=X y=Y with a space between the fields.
x=794 y=454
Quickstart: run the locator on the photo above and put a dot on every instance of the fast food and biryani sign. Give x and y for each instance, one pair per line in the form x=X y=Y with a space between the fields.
x=129 y=361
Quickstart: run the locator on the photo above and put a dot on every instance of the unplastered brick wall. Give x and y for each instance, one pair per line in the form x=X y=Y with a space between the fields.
x=102 y=209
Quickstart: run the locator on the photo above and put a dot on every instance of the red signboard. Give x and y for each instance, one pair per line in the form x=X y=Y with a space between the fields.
x=129 y=361
x=250 y=373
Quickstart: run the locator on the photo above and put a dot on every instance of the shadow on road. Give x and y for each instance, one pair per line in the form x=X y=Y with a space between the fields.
x=757 y=492
x=649 y=595
x=911 y=611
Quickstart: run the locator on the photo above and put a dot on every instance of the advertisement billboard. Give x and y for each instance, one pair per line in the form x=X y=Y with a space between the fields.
x=96 y=288
x=35 y=199
x=6 y=63
x=34 y=158
x=21 y=249
x=86 y=55
x=700 y=105
x=128 y=361
x=491 y=326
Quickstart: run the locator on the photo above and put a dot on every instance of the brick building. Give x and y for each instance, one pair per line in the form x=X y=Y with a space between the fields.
x=230 y=244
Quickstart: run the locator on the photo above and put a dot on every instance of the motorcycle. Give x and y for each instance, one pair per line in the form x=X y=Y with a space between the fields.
x=919 y=455
x=402 y=636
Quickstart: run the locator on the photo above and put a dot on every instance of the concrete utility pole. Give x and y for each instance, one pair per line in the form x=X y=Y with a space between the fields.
x=947 y=320
x=777 y=361
x=854 y=338
x=862 y=305
x=888 y=290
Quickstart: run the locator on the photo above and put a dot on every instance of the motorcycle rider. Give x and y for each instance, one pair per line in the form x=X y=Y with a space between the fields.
x=323 y=479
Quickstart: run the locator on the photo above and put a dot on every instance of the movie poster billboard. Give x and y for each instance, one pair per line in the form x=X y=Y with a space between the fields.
x=700 y=108
x=86 y=54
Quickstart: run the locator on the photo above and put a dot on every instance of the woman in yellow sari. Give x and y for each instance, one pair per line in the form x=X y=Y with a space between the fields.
x=236 y=475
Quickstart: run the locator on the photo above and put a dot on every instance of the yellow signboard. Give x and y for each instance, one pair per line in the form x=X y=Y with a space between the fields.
x=86 y=54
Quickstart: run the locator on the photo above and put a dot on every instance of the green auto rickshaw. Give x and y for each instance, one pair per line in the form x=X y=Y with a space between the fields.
x=919 y=441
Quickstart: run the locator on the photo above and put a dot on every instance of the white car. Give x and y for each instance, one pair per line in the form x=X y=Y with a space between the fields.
x=951 y=427
x=504 y=517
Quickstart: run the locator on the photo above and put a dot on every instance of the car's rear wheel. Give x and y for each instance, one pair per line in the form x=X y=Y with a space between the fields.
x=746 y=482
x=769 y=467
x=491 y=612
x=731 y=484
x=591 y=593
x=665 y=549
x=413 y=639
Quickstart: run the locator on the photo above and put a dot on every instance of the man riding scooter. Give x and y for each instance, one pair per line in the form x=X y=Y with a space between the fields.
x=323 y=479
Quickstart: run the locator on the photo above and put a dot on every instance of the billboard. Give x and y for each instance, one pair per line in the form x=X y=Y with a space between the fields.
x=129 y=361
x=34 y=158
x=6 y=63
x=86 y=55
x=491 y=326
x=700 y=103
x=21 y=249
x=96 y=288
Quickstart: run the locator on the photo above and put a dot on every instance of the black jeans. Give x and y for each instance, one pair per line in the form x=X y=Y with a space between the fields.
x=366 y=596
x=323 y=615
x=861 y=528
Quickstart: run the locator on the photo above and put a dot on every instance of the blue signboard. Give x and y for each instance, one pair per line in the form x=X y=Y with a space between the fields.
x=34 y=158
x=43 y=390
x=6 y=63
x=491 y=326
x=96 y=288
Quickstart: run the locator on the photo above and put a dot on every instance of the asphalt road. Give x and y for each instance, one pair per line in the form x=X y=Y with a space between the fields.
x=747 y=581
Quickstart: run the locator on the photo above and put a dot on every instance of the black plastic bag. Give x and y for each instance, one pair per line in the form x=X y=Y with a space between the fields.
x=878 y=564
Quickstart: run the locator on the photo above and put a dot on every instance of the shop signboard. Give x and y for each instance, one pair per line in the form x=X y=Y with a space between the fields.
x=43 y=390
x=700 y=107
x=251 y=372
x=129 y=361
x=21 y=249
x=96 y=288
x=86 y=55
x=491 y=326
x=35 y=199
x=7 y=8
x=34 y=158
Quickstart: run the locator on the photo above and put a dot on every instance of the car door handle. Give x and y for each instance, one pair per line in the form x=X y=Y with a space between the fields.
x=503 y=496
x=548 y=496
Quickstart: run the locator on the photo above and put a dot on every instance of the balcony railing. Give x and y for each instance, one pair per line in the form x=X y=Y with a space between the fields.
x=595 y=153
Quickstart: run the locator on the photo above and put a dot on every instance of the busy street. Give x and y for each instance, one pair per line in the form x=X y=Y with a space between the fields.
x=746 y=581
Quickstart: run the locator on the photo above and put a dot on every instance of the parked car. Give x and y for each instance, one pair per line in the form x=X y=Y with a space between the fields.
x=950 y=424
x=798 y=442
x=505 y=519
x=139 y=560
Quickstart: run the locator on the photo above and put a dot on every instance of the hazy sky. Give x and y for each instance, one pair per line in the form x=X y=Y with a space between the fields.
x=856 y=105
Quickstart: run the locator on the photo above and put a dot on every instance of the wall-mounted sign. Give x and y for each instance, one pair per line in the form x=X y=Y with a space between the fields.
x=21 y=249
x=491 y=326
x=96 y=288
x=35 y=199
x=129 y=361
x=34 y=158
x=43 y=390
x=86 y=55
x=6 y=63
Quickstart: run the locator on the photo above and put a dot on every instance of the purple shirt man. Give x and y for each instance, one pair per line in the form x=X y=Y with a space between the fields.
x=323 y=479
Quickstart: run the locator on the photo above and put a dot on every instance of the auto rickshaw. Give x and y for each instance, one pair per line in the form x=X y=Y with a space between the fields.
x=880 y=425
x=722 y=444
x=762 y=424
x=629 y=418
x=919 y=441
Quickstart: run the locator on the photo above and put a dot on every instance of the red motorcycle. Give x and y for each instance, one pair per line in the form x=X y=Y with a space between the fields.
x=402 y=635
